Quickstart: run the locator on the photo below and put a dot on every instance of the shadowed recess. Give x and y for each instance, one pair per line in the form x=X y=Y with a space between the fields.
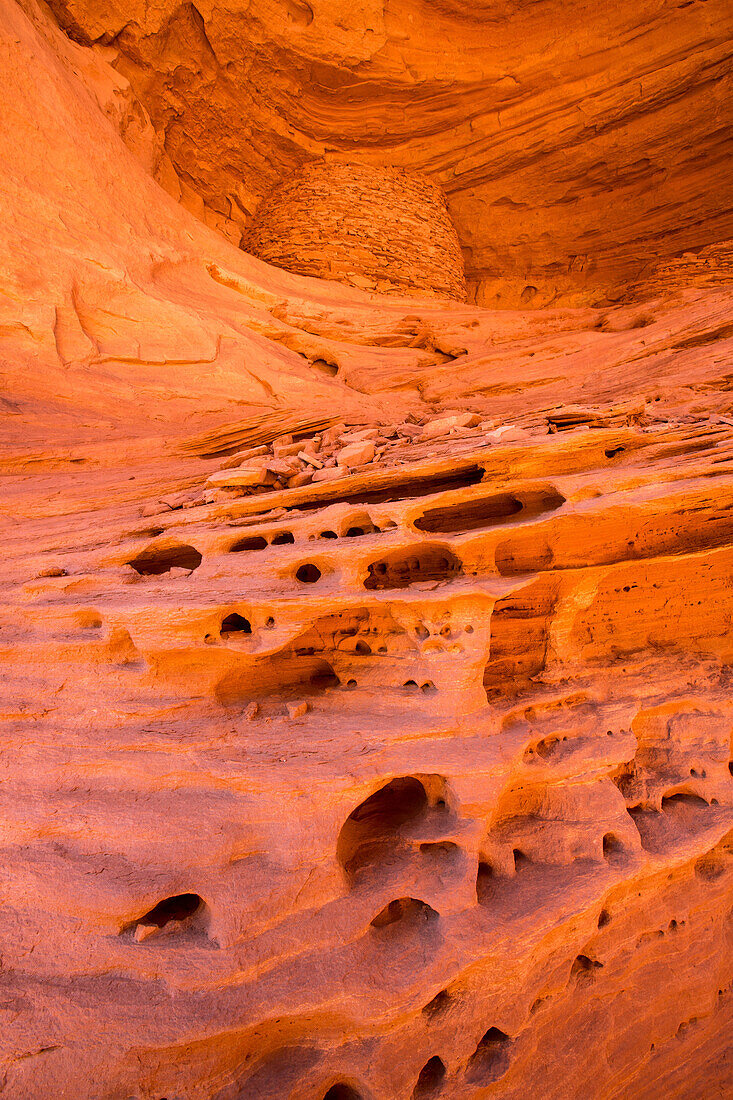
x=161 y=559
x=235 y=624
x=431 y=1078
x=308 y=573
x=401 y=488
x=424 y=562
x=251 y=542
x=285 y=675
x=174 y=908
x=180 y=912
x=342 y=1092
x=411 y=911
x=489 y=511
x=520 y=626
x=490 y=1060
x=378 y=820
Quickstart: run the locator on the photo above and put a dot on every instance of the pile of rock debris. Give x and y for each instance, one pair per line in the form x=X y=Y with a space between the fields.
x=331 y=454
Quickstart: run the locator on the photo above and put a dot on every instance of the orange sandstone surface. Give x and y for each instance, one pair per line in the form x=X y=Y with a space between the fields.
x=366 y=659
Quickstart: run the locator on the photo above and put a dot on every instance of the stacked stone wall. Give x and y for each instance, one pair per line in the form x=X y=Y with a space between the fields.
x=380 y=229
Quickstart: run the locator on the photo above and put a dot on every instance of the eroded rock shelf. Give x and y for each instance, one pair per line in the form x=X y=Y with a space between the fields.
x=509 y=726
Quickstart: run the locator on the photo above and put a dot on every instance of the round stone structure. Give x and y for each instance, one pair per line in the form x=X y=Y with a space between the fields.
x=382 y=229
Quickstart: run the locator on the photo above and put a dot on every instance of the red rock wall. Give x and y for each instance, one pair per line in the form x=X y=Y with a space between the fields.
x=379 y=229
x=578 y=142
x=387 y=761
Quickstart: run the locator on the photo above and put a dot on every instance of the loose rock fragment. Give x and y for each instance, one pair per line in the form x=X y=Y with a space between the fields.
x=356 y=454
x=508 y=433
x=303 y=478
x=145 y=931
x=242 y=457
x=285 y=450
x=243 y=476
x=52 y=571
x=310 y=459
x=329 y=473
x=357 y=437
x=154 y=509
x=436 y=428
x=281 y=467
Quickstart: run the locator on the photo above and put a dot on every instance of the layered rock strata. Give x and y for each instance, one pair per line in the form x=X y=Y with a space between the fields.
x=578 y=146
x=379 y=229
x=365 y=695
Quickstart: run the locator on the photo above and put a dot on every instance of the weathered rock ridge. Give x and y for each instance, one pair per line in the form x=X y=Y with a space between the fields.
x=366 y=690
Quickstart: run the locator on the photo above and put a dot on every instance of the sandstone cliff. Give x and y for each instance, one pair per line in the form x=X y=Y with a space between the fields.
x=578 y=144
x=366 y=682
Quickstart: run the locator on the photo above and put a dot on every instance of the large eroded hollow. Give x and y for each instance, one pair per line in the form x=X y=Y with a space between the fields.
x=423 y=562
x=378 y=820
x=402 y=487
x=393 y=820
x=286 y=675
x=156 y=560
x=497 y=509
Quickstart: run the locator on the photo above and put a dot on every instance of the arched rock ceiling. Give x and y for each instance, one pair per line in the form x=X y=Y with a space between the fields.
x=578 y=143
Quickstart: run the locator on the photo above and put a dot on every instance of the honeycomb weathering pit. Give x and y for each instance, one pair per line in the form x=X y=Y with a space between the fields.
x=381 y=229
x=366 y=699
